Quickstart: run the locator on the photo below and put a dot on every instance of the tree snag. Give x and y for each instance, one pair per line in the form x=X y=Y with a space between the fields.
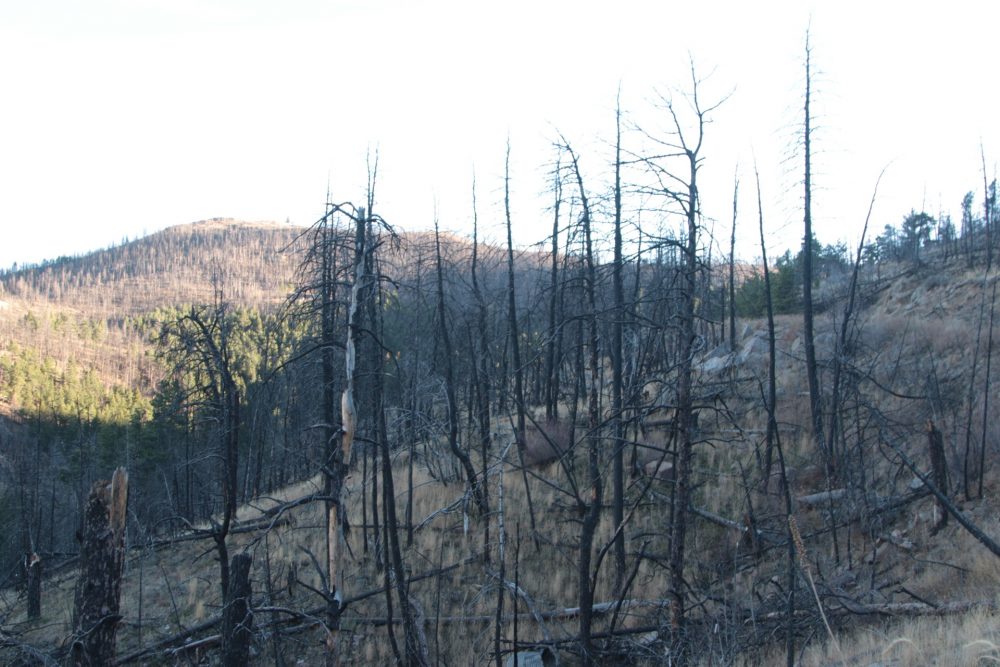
x=939 y=467
x=237 y=617
x=102 y=555
x=33 y=570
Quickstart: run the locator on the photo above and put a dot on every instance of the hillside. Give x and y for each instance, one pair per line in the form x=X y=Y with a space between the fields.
x=874 y=565
x=252 y=262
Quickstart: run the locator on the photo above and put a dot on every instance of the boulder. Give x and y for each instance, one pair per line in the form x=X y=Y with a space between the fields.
x=660 y=470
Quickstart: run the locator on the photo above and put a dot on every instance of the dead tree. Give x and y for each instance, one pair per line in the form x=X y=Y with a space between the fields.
x=589 y=511
x=732 y=264
x=480 y=374
x=552 y=350
x=515 y=347
x=617 y=404
x=674 y=169
x=812 y=374
x=774 y=439
x=475 y=486
x=102 y=556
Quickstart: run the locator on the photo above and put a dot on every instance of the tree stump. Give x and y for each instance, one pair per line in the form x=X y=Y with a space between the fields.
x=939 y=466
x=98 y=591
x=237 y=618
x=33 y=566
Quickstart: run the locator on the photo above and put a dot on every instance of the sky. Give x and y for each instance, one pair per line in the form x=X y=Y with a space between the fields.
x=122 y=117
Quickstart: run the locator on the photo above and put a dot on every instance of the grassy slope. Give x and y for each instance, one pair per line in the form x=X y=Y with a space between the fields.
x=918 y=320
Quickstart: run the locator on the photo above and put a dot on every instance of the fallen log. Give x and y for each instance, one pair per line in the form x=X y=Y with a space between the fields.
x=815 y=499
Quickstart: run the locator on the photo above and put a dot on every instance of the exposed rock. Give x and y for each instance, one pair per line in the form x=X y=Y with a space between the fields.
x=660 y=470
x=753 y=351
x=716 y=364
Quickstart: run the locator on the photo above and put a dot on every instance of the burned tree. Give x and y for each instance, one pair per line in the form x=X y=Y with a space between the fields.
x=102 y=556
x=674 y=169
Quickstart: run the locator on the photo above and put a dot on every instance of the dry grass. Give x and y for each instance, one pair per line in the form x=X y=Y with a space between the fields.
x=179 y=585
x=966 y=640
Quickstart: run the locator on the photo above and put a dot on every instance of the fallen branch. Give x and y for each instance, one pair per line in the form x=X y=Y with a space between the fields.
x=946 y=503
x=170 y=642
x=734 y=525
x=815 y=499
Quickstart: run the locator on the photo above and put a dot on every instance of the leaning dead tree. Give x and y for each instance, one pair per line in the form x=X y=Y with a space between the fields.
x=102 y=555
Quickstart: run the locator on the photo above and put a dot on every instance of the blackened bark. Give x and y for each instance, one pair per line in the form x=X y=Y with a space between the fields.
x=551 y=369
x=774 y=441
x=590 y=511
x=515 y=348
x=33 y=567
x=102 y=556
x=812 y=373
x=732 y=267
x=618 y=440
x=986 y=391
x=939 y=468
x=481 y=380
x=449 y=375
x=237 y=616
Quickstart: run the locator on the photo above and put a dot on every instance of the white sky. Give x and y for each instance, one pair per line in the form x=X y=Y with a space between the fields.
x=121 y=117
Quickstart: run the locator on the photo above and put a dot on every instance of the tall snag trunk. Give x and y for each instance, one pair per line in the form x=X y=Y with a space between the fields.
x=732 y=266
x=449 y=375
x=986 y=393
x=102 y=557
x=415 y=643
x=515 y=349
x=551 y=369
x=338 y=457
x=844 y=343
x=815 y=405
x=774 y=441
x=687 y=197
x=481 y=372
x=617 y=405
x=590 y=512
x=685 y=420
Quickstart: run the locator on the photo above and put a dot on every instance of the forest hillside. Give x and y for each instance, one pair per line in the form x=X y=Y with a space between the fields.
x=350 y=443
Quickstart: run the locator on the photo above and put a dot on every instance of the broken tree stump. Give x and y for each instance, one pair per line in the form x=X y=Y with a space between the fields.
x=237 y=617
x=102 y=556
x=939 y=467
x=33 y=566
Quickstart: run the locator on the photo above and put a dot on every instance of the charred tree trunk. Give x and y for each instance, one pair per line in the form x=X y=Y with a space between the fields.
x=617 y=405
x=551 y=369
x=812 y=374
x=102 y=557
x=237 y=617
x=481 y=372
x=939 y=468
x=774 y=441
x=515 y=349
x=449 y=375
x=33 y=569
x=732 y=266
x=986 y=392
x=590 y=512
